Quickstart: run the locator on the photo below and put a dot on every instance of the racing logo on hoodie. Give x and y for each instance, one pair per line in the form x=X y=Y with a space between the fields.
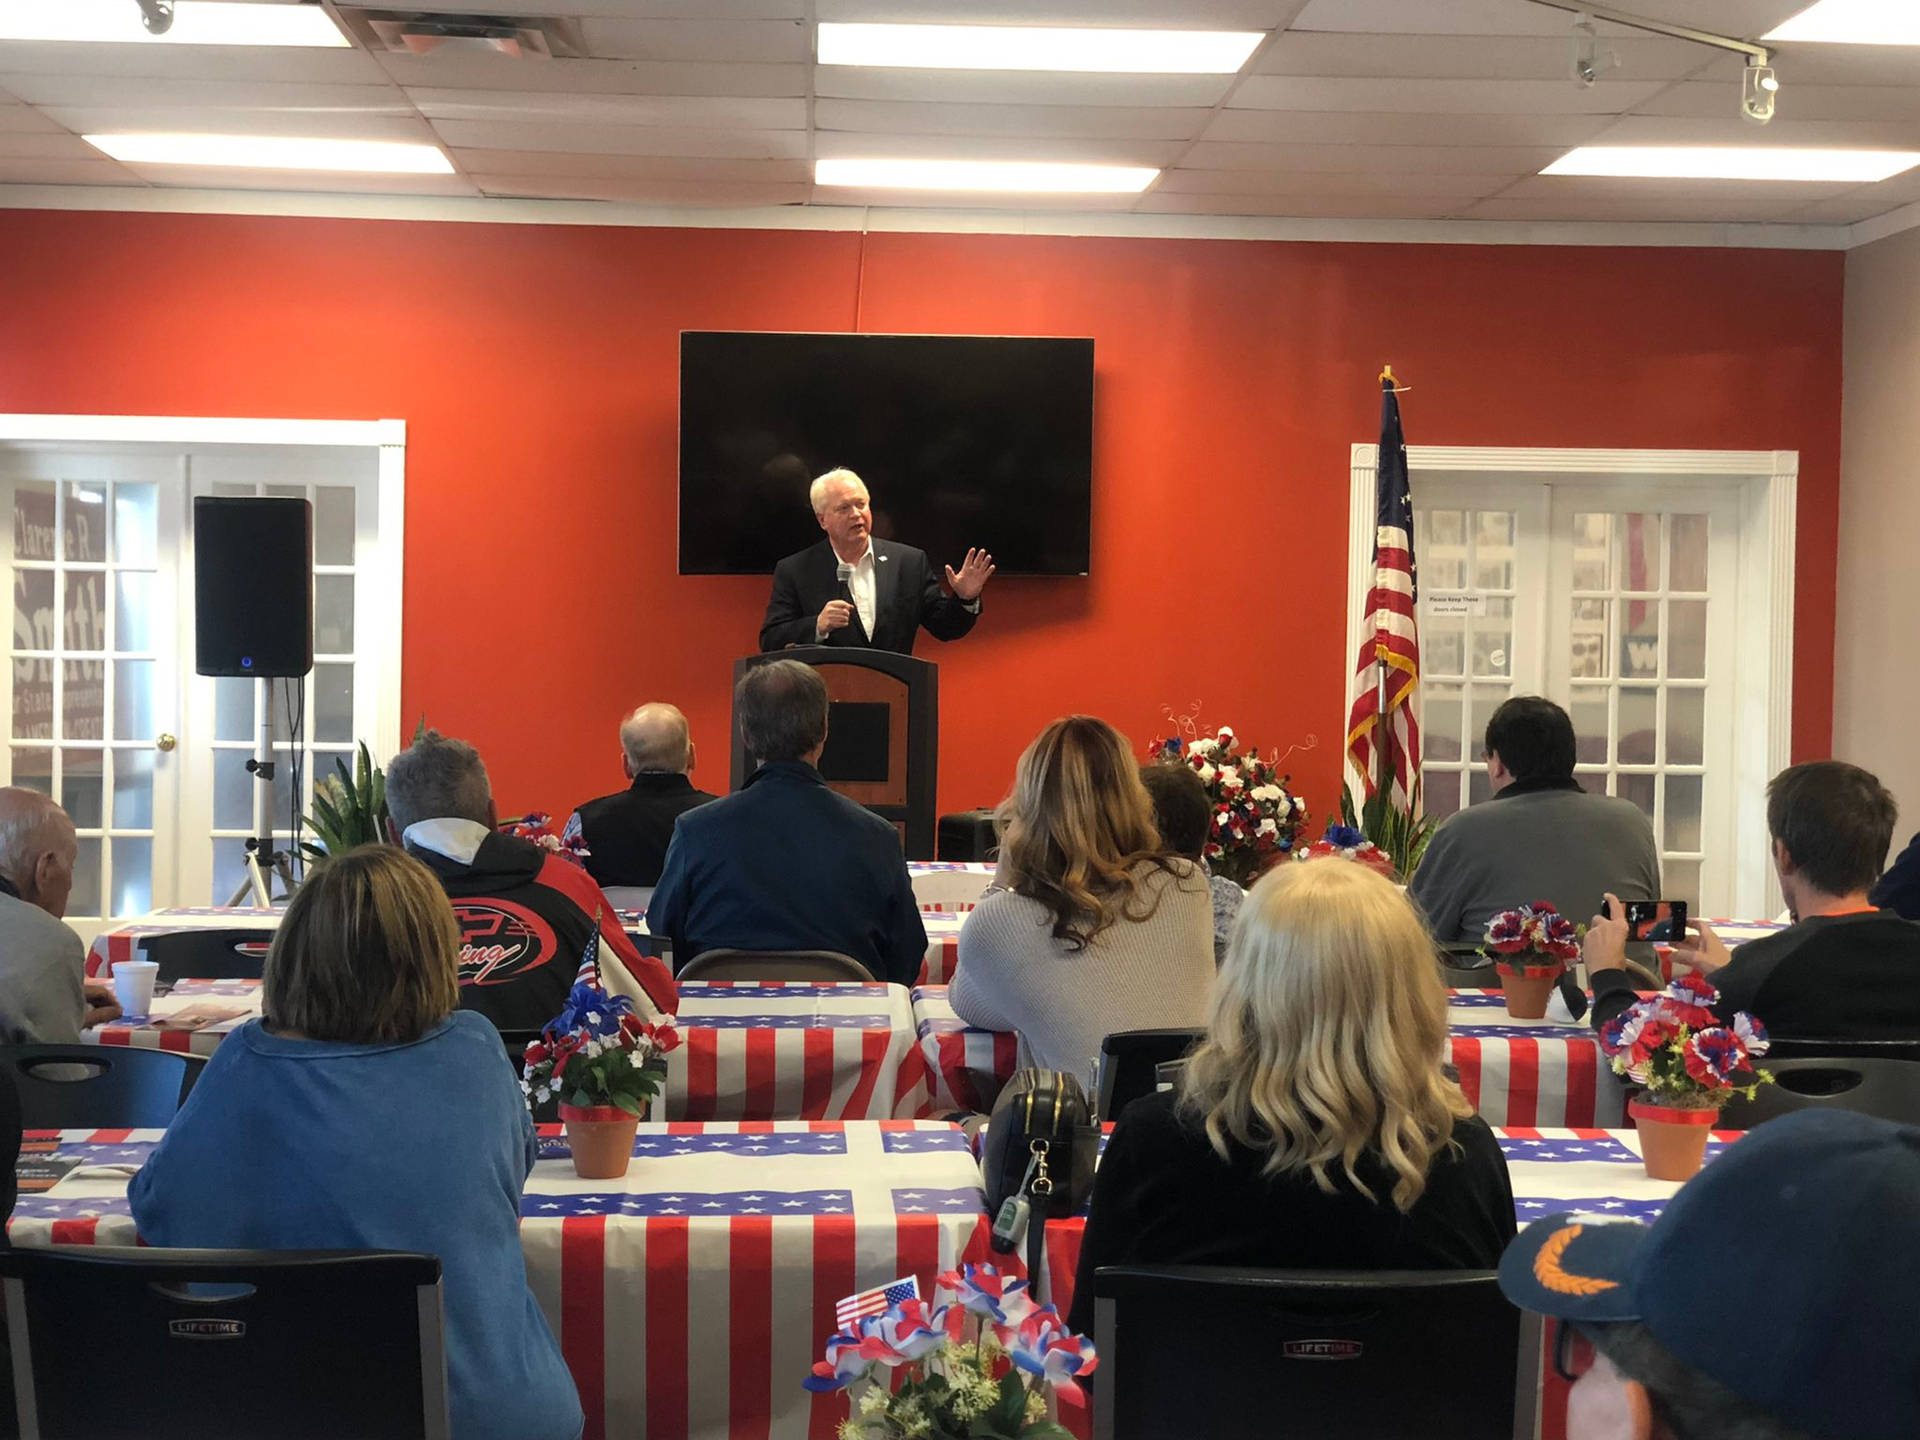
x=500 y=941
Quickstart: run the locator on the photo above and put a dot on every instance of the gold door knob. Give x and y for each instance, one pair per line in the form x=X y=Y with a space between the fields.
x=165 y=743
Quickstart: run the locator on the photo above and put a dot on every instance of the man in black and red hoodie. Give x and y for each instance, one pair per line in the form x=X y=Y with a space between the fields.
x=525 y=913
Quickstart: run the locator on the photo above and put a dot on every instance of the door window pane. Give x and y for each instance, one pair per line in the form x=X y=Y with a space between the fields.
x=1640 y=639
x=333 y=614
x=1590 y=642
x=1440 y=730
x=1687 y=552
x=33 y=623
x=1687 y=639
x=133 y=790
x=1443 y=641
x=136 y=524
x=133 y=699
x=233 y=713
x=333 y=703
x=132 y=876
x=1486 y=700
x=87 y=523
x=84 y=898
x=80 y=791
x=1493 y=550
x=1680 y=880
x=1589 y=715
x=1634 y=743
x=133 y=611
x=86 y=618
x=232 y=790
x=1638 y=789
x=33 y=517
x=33 y=770
x=1592 y=552
x=1683 y=813
x=333 y=525
x=1640 y=552
x=1479 y=787
x=1441 y=794
x=1493 y=638
x=1686 y=727
x=229 y=871
x=83 y=700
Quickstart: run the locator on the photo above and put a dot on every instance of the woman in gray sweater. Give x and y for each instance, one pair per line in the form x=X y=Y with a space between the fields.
x=1090 y=926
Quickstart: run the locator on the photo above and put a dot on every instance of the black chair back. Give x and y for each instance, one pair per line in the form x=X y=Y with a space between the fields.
x=293 y=1345
x=1803 y=1048
x=1129 y=1065
x=1868 y=1085
x=805 y=966
x=1189 y=1350
x=92 y=1087
x=1463 y=968
x=545 y=1112
x=207 y=954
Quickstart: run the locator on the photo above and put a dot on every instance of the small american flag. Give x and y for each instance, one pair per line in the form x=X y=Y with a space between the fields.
x=872 y=1302
x=1387 y=669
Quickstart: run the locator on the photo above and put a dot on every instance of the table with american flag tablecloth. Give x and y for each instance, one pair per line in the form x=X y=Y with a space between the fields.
x=1516 y=1072
x=690 y=1297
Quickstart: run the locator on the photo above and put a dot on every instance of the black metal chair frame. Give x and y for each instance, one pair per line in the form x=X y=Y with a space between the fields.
x=122 y=1075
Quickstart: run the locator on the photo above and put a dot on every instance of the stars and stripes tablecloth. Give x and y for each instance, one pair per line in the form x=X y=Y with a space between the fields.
x=123 y=942
x=943 y=946
x=156 y=1033
x=966 y=1067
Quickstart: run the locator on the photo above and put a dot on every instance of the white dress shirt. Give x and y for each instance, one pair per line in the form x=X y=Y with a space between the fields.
x=865 y=587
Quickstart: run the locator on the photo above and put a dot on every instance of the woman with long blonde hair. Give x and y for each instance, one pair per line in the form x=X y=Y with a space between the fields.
x=1314 y=1127
x=1091 y=925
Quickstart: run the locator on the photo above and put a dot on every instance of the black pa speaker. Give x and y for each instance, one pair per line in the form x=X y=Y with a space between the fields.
x=252 y=586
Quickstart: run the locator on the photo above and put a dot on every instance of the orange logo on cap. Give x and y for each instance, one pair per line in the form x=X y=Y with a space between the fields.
x=1548 y=1271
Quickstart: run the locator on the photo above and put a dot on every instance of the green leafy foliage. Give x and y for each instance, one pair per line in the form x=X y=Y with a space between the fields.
x=350 y=806
x=1394 y=831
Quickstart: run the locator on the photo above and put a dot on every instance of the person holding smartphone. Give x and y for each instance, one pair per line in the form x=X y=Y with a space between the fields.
x=1844 y=970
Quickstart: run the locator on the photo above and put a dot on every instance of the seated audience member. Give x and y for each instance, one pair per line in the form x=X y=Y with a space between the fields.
x=1314 y=1128
x=1540 y=837
x=1090 y=925
x=1843 y=970
x=1899 y=889
x=1772 y=1299
x=1183 y=814
x=45 y=998
x=363 y=1110
x=627 y=834
x=525 y=914
x=785 y=863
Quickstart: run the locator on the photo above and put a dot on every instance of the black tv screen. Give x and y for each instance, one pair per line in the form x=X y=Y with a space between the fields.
x=963 y=440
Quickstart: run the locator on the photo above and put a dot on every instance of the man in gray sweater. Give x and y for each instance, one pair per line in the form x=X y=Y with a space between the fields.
x=44 y=996
x=1541 y=837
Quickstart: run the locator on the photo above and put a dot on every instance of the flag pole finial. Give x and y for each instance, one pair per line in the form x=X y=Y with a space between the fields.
x=1386 y=375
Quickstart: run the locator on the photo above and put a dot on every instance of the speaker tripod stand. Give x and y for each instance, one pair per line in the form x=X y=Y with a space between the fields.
x=264 y=863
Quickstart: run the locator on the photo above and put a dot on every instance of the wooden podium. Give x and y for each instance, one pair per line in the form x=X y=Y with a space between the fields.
x=883 y=734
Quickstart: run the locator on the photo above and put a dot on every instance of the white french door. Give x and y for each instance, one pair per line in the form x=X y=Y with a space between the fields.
x=1617 y=600
x=105 y=713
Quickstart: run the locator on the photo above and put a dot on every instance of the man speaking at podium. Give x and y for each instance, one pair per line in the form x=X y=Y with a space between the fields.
x=852 y=590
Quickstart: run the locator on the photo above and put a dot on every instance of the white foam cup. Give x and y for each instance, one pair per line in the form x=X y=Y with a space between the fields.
x=133 y=987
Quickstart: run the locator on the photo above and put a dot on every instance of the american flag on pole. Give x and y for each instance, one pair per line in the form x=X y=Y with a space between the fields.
x=1383 y=732
x=872 y=1302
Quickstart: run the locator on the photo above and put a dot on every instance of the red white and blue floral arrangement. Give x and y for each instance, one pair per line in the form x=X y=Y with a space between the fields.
x=1674 y=1045
x=992 y=1386
x=537 y=826
x=1255 y=816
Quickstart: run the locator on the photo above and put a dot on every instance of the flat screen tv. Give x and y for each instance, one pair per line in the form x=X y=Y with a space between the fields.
x=963 y=440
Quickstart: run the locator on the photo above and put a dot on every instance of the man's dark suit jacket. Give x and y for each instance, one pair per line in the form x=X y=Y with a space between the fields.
x=627 y=833
x=906 y=595
x=787 y=864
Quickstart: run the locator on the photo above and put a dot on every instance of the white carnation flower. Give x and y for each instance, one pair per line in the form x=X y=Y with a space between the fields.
x=1267 y=827
x=1206 y=774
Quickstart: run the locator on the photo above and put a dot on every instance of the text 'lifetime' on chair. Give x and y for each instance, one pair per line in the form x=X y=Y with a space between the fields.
x=817 y=966
x=295 y=1345
x=1189 y=1350
x=94 y=1087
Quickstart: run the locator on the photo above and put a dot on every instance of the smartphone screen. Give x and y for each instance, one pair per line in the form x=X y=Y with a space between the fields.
x=1657 y=920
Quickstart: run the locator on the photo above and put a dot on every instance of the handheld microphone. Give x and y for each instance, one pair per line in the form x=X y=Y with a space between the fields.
x=844 y=574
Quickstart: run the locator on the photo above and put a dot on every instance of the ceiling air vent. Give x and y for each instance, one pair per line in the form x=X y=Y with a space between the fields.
x=424 y=32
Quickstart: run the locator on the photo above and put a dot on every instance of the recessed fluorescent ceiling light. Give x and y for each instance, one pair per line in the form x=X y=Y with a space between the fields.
x=1732 y=162
x=267 y=152
x=1024 y=176
x=195 y=22
x=1038 y=47
x=1853 y=22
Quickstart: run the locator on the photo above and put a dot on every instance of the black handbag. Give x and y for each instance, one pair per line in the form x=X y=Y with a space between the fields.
x=1041 y=1149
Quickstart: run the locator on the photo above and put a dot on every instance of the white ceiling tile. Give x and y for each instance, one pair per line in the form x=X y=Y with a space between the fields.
x=1678 y=211
x=24 y=119
x=1369 y=159
x=1438 y=17
x=1440 y=97
x=842 y=145
x=907 y=118
x=1144 y=14
x=1323 y=182
x=120 y=93
x=1781 y=194
x=208 y=177
x=686 y=112
x=632 y=9
x=940 y=200
x=1353 y=128
x=52 y=145
x=1000 y=87
x=645 y=192
x=600 y=77
x=28 y=170
x=1732 y=130
x=727 y=41
x=1466 y=57
x=1314 y=207
x=299 y=64
x=1829 y=65
x=632 y=167
x=1848 y=209
x=623 y=139
x=323 y=124
x=1796 y=102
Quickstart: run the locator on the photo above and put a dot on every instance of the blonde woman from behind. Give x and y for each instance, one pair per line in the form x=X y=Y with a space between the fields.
x=1314 y=1127
x=1091 y=925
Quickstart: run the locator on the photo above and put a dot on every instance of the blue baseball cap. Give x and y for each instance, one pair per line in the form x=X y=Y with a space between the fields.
x=1788 y=1270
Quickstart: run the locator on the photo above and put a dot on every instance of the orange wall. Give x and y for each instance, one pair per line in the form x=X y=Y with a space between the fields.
x=535 y=368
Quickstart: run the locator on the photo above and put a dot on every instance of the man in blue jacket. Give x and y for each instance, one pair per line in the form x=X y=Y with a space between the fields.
x=786 y=863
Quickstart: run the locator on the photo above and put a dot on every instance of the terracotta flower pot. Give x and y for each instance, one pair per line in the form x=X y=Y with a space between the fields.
x=601 y=1139
x=1673 y=1142
x=1527 y=988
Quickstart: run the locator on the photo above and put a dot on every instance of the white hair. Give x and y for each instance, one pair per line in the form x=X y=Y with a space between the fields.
x=817 y=492
x=30 y=826
x=654 y=738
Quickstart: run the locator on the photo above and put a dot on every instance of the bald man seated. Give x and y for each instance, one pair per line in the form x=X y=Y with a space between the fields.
x=44 y=995
x=627 y=833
